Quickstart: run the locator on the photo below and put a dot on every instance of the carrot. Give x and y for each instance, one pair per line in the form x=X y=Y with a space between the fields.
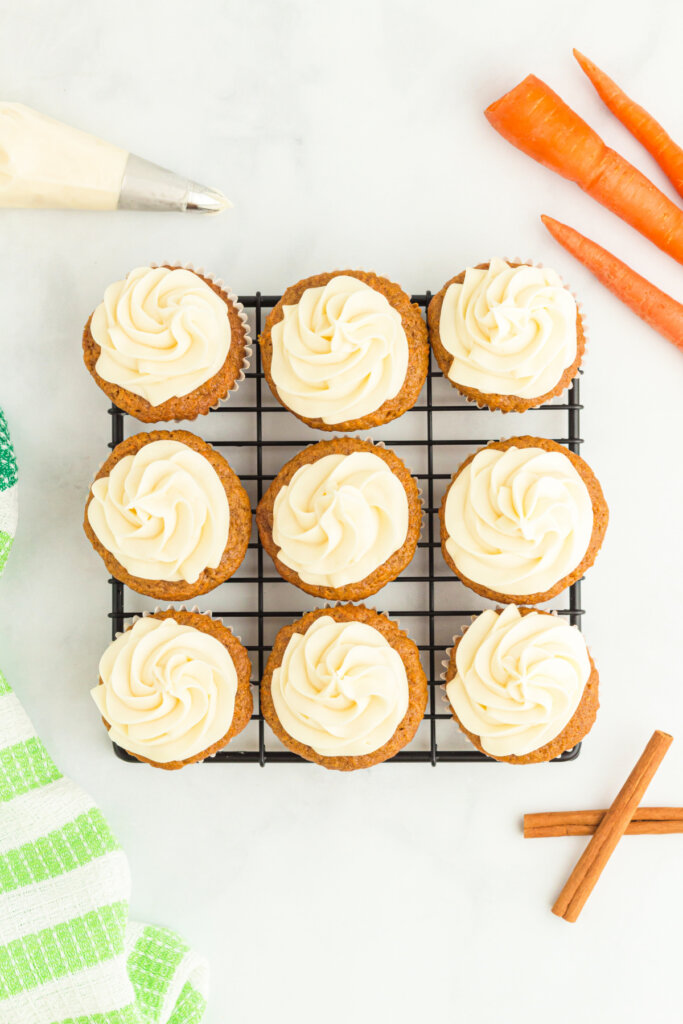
x=642 y=125
x=535 y=119
x=651 y=304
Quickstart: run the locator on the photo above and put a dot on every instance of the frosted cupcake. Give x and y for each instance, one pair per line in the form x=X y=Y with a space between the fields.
x=344 y=687
x=341 y=519
x=345 y=350
x=522 y=520
x=507 y=335
x=522 y=685
x=166 y=343
x=168 y=516
x=174 y=688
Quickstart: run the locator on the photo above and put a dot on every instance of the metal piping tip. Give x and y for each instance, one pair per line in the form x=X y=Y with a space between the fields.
x=206 y=200
x=146 y=186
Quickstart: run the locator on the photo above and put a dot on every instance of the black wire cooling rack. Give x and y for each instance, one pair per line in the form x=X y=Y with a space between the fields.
x=258 y=436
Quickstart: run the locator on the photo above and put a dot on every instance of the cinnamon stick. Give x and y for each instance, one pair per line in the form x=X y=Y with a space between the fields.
x=590 y=865
x=645 y=821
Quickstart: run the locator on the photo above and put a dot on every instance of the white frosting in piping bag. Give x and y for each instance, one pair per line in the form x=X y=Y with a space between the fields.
x=163 y=513
x=340 y=352
x=162 y=333
x=341 y=688
x=44 y=163
x=519 y=679
x=518 y=520
x=510 y=330
x=168 y=690
x=340 y=518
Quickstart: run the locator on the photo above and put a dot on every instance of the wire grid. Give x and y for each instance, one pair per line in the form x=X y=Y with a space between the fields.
x=258 y=436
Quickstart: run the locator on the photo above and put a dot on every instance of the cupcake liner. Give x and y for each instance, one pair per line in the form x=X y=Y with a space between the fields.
x=248 y=340
x=447 y=660
x=584 y=328
x=194 y=610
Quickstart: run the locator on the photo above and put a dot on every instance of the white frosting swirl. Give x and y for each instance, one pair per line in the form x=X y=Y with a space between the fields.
x=518 y=520
x=340 y=518
x=341 y=688
x=168 y=690
x=163 y=513
x=340 y=352
x=510 y=330
x=519 y=679
x=162 y=333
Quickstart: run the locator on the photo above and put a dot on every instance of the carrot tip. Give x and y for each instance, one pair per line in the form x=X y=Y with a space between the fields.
x=586 y=65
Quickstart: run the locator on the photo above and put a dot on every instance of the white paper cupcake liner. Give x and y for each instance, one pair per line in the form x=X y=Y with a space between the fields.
x=447 y=660
x=194 y=610
x=584 y=327
x=248 y=341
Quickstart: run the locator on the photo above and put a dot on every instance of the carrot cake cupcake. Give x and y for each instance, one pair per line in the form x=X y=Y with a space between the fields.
x=174 y=688
x=341 y=519
x=168 y=516
x=522 y=685
x=345 y=351
x=344 y=687
x=166 y=343
x=522 y=520
x=507 y=335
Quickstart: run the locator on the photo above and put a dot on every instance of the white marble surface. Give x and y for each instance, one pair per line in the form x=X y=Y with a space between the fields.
x=352 y=134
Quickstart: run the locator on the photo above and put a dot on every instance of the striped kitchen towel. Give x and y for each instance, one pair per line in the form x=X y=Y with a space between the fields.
x=8 y=492
x=68 y=952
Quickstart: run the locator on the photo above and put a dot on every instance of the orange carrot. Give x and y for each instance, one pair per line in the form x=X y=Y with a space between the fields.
x=651 y=304
x=642 y=125
x=535 y=119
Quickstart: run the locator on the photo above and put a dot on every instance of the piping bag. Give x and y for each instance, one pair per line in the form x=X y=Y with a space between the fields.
x=50 y=165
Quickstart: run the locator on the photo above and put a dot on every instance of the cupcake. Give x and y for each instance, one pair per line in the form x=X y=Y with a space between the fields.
x=167 y=343
x=341 y=519
x=344 y=687
x=345 y=351
x=522 y=520
x=522 y=685
x=168 y=516
x=507 y=335
x=174 y=688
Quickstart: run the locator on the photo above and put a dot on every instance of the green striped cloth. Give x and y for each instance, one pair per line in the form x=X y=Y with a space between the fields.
x=8 y=492
x=68 y=952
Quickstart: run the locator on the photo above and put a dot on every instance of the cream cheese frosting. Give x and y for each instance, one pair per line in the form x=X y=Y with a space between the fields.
x=162 y=512
x=340 y=352
x=341 y=688
x=519 y=520
x=339 y=518
x=519 y=679
x=162 y=333
x=510 y=330
x=45 y=163
x=168 y=690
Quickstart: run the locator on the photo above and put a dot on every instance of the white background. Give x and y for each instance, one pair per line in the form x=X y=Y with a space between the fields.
x=351 y=133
